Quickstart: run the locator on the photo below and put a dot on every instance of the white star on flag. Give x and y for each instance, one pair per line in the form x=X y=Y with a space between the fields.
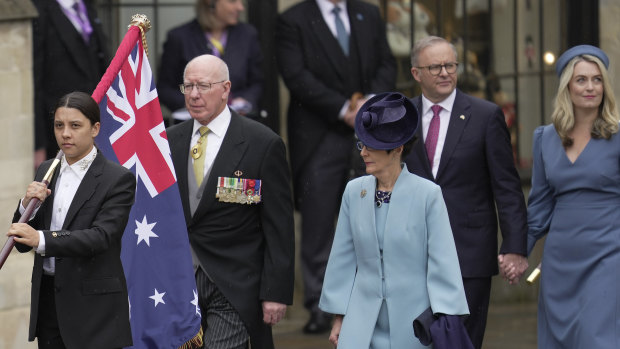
x=195 y=302
x=144 y=230
x=158 y=297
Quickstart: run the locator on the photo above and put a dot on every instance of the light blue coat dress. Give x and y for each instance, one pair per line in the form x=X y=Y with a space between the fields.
x=419 y=267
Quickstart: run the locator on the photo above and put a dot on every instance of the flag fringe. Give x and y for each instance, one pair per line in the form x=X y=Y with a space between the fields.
x=195 y=342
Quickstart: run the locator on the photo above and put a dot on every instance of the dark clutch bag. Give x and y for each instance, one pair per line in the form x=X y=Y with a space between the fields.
x=443 y=331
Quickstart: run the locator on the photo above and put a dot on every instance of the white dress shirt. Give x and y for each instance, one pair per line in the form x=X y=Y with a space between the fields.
x=69 y=179
x=67 y=5
x=217 y=130
x=444 y=117
x=327 y=7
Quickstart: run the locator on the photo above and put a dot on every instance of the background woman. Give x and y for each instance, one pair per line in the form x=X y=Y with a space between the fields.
x=216 y=30
x=393 y=254
x=79 y=294
x=575 y=202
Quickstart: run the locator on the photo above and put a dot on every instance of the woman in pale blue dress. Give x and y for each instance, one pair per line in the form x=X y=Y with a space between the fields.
x=575 y=202
x=393 y=254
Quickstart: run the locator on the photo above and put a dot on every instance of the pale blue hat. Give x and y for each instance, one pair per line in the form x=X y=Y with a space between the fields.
x=578 y=51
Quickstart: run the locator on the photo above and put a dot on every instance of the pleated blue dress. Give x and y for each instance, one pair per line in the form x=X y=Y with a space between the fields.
x=577 y=206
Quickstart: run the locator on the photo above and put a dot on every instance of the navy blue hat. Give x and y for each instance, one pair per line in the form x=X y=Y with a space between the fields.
x=578 y=51
x=386 y=121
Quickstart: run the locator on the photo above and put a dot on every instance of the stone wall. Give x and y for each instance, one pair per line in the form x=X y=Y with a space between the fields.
x=16 y=164
x=609 y=28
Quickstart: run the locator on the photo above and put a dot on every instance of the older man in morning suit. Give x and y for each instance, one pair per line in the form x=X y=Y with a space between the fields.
x=243 y=239
x=466 y=150
x=330 y=53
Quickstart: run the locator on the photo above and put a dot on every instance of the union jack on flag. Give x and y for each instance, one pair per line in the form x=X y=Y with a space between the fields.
x=155 y=252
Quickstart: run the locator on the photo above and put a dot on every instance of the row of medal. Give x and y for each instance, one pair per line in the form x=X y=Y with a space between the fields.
x=238 y=190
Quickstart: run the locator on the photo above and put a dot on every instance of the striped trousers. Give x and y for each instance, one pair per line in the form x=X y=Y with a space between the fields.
x=222 y=325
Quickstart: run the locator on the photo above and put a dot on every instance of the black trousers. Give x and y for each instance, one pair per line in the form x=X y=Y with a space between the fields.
x=324 y=178
x=478 y=293
x=48 y=333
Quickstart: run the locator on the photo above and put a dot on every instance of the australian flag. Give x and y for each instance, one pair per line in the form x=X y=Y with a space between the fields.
x=155 y=247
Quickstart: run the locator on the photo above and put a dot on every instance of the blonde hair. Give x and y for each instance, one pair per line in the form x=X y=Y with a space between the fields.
x=205 y=13
x=563 y=117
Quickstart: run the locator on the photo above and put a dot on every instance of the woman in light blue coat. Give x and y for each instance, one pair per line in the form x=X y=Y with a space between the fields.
x=393 y=254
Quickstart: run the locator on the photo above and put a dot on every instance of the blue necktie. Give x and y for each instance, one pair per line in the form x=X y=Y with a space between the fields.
x=341 y=32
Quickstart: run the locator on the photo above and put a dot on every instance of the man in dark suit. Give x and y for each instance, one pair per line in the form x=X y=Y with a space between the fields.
x=466 y=150
x=67 y=56
x=217 y=21
x=79 y=293
x=234 y=184
x=332 y=54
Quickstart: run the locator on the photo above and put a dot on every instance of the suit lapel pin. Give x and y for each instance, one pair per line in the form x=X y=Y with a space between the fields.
x=360 y=17
x=363 y=193
x=462 y=117
x=238 y=173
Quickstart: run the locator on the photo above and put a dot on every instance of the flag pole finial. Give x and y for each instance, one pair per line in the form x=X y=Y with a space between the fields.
x=142 y=22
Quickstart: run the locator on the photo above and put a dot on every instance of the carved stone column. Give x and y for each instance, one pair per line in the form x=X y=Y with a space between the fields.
x=16 y=162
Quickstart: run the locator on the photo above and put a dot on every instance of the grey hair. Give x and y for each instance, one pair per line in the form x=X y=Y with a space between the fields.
x=425 y=42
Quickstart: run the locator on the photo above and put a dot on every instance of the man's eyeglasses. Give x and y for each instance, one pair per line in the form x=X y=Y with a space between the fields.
x=435 y=69
x=202 y=87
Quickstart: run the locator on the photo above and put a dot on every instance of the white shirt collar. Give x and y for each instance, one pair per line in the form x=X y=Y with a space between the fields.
x=218 y=125
x=446 y=104
x=327 y=6
x=81 y=166
x=67 y=4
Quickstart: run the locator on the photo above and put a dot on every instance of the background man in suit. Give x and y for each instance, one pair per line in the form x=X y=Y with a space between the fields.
x=467 y=151
x=244 y=241
x=79 y=293
x=331 y=54
x=69 y=54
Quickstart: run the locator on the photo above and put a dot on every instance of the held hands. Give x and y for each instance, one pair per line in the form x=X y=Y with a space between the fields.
x=273 y=312
x=335 y=333
x=512 y=266
x=36 y=190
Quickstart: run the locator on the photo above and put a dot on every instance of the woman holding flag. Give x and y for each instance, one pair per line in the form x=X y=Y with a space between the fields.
x=79 y=293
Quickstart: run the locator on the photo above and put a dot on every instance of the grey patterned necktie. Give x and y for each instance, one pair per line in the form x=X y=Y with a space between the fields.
x=341 y=32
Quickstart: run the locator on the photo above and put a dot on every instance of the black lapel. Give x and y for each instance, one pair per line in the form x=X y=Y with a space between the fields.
x=419 y=148
x=179 y=147
x=95 y=22
x=70 y=37
x=198 y=38
x=226 y=162
x=87 y=188
x=458 y=119
x=360 y=32
x=326 y=39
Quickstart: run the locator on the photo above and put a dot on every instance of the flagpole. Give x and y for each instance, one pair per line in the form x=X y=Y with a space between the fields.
x=10 y=242
x=138 y=27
